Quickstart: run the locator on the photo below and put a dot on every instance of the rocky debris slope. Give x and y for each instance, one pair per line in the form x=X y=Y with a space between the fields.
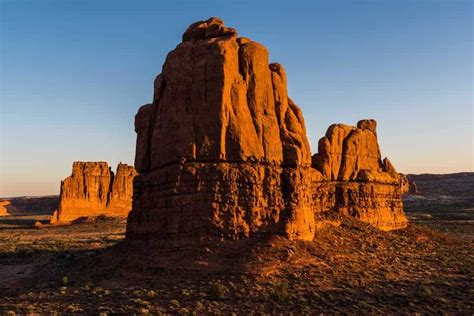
x=222 y=151
x=7 y=209
x=93 y=190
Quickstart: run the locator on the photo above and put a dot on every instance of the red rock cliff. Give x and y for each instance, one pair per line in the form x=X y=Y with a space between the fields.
x=93 y=189
x=362 y=184
x=222 y=150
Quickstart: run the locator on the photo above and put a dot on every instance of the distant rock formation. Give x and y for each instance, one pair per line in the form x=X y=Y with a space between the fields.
x=7 y=209
x=349 y=153
x=38 y=205
x=93 y=190
x=222 y=151
x=413 y=189
x=404 y=184
x=407 y=186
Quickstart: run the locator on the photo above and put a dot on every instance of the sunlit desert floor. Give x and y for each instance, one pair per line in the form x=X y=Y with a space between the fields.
x=87 y=268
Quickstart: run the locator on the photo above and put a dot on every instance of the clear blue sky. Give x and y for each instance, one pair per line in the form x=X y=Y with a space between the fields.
x=73 y=74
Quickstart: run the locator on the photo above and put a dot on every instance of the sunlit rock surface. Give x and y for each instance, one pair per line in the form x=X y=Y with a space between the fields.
x=222 y=151
x=93 y=189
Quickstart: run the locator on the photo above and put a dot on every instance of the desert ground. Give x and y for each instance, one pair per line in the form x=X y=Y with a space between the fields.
x=87 y=267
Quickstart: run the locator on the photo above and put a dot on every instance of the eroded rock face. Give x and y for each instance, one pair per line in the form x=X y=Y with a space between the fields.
x=364 y=185
x=222 y=150
x=93 y=189
x=349 y=153
x=213 y=146
x=378 y=204
x=217 y=99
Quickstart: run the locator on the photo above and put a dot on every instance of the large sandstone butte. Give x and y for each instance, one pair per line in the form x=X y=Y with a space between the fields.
x=93 y=189
x=222 y=152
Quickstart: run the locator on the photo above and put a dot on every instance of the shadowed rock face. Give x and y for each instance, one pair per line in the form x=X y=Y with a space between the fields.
x=222 y=150
x=93 y=189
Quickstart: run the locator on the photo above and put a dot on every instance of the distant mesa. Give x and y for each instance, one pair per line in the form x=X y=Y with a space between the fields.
x=222 y=152
x=94 y=190
x=35 y=205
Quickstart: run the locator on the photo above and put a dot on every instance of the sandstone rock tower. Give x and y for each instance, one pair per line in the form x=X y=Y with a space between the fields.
x=93 y=189
x=222 y=150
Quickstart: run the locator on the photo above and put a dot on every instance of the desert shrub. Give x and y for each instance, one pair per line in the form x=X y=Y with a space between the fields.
x=217 y=290
x=426 y=291
x=280 y=292
x=62 y=246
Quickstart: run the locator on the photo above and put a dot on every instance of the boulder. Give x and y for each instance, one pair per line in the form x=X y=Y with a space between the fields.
x=361 y=184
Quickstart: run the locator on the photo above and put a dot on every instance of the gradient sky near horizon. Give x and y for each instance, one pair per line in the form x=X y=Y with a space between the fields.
x=74 y=73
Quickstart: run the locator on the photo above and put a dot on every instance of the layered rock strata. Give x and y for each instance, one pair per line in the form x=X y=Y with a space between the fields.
x=364 y=185
x=217 y=140
x=222 y=150
x=93 y=189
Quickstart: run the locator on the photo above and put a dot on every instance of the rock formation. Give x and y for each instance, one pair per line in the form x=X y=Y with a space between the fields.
x=93 y=189
x=407 y=186
x=222 y=151
x=364 y=185
x=404 y=184
x=413 y=189
x=7 y=209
